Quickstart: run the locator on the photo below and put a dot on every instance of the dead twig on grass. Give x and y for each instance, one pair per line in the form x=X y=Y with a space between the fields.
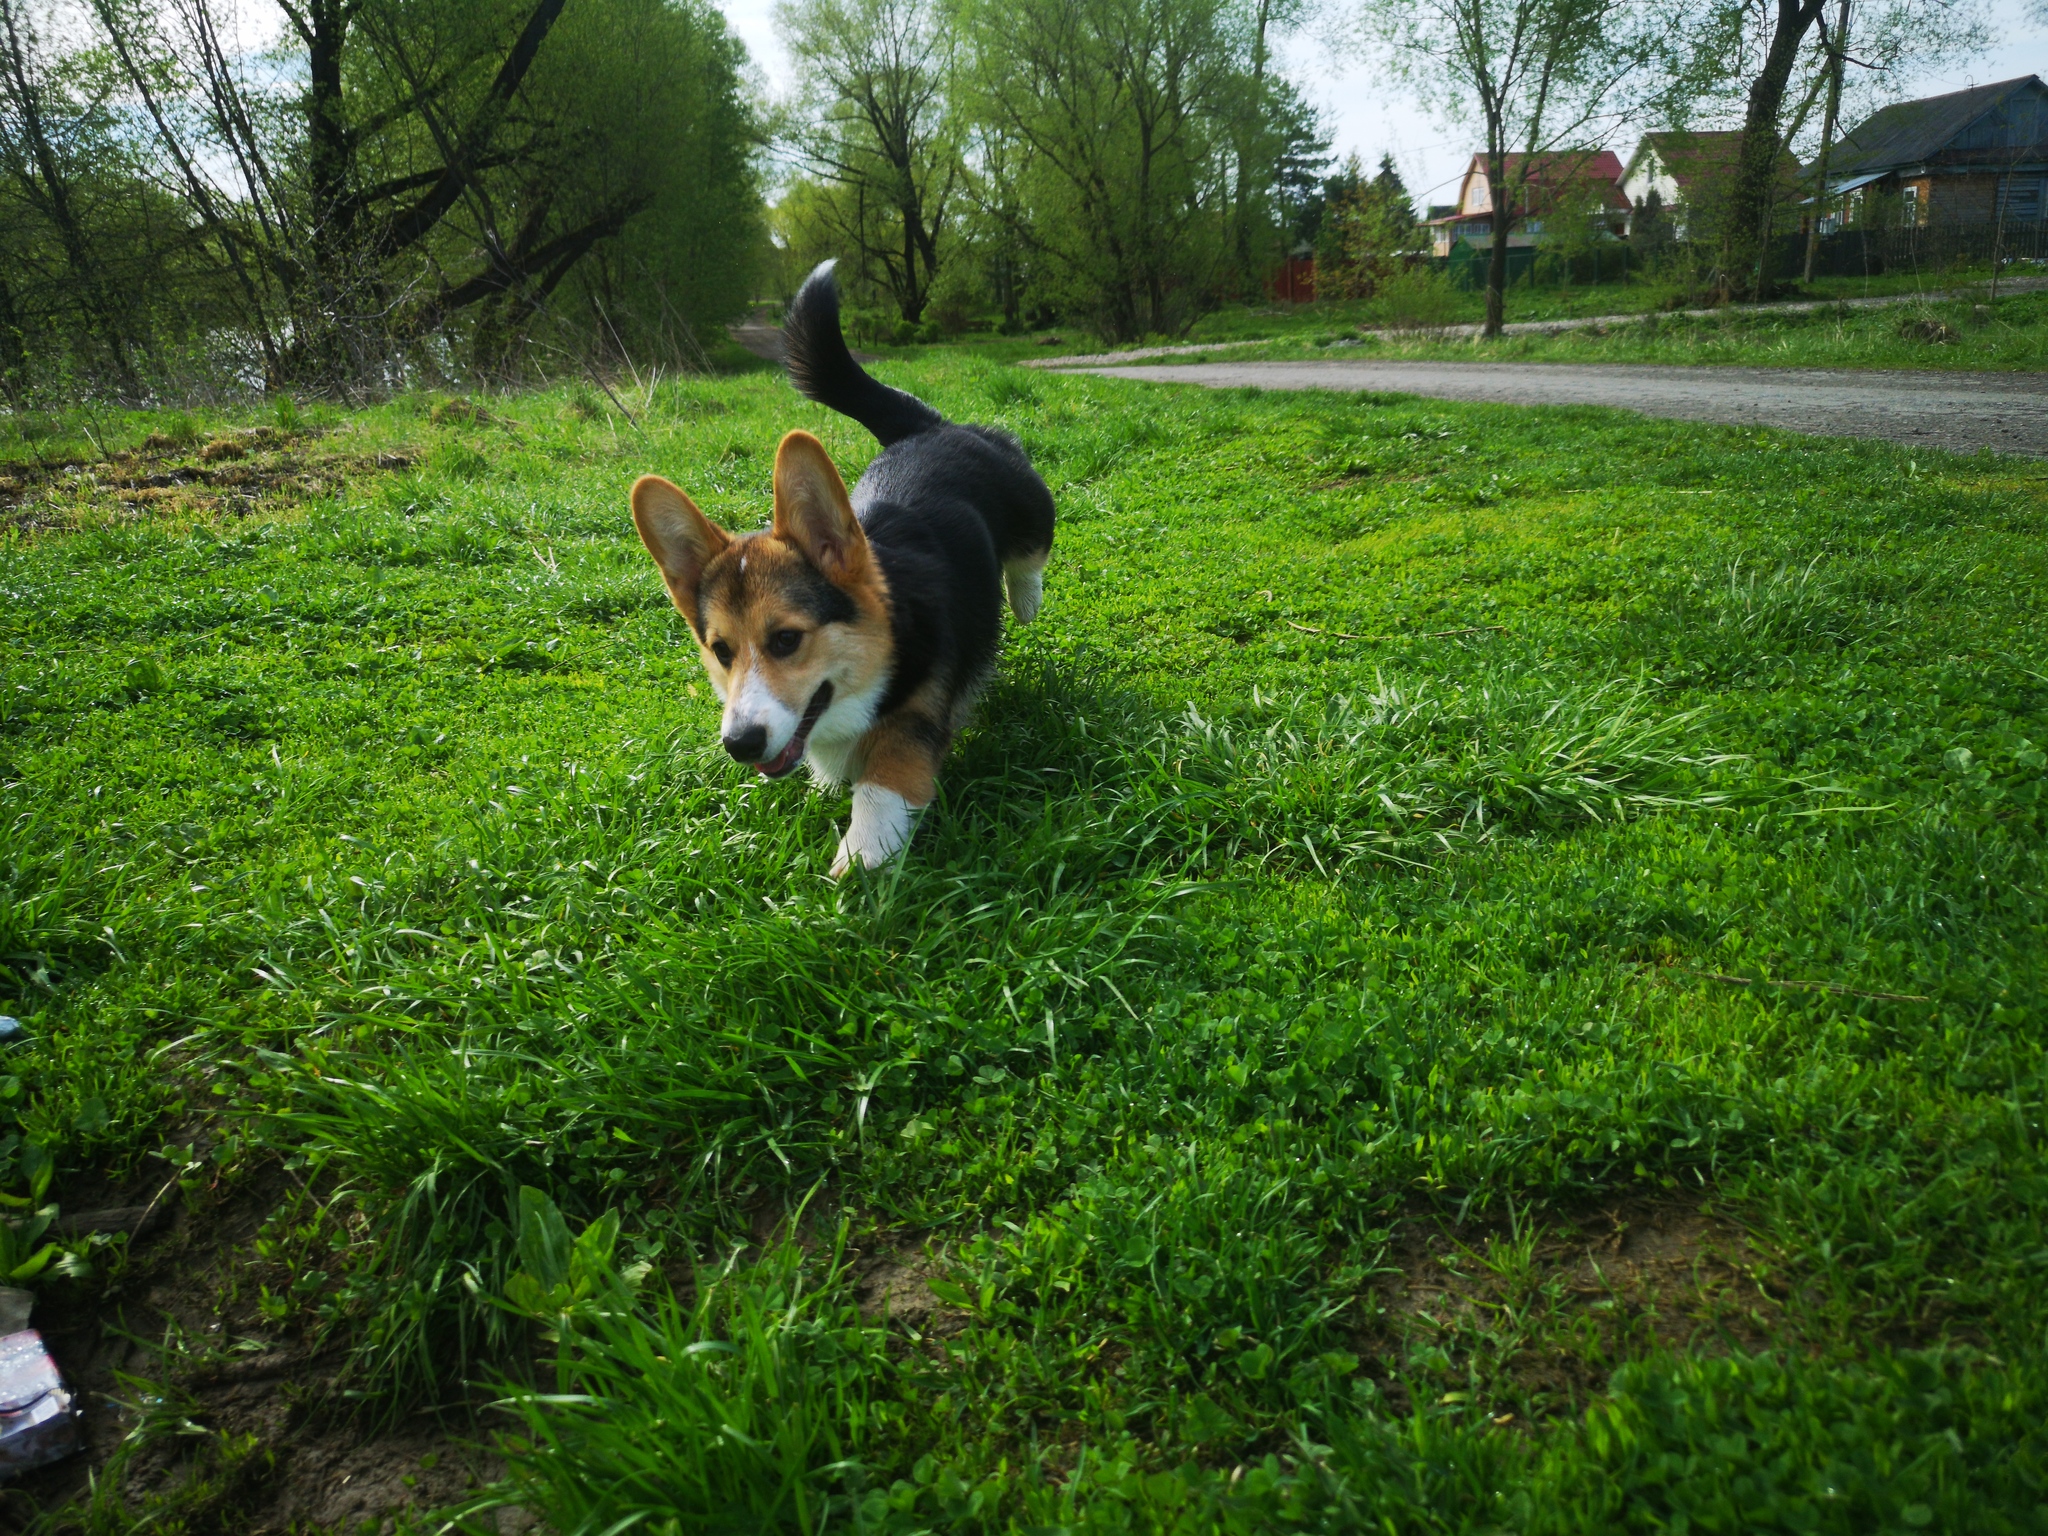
x=1799 y=986
x=1434 y=634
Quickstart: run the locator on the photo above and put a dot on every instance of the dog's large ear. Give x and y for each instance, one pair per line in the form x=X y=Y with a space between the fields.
x=682 y=540
x=813 y=513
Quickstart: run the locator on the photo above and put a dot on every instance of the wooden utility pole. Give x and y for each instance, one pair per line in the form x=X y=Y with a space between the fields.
x=2001 y=196
x=1838 y=49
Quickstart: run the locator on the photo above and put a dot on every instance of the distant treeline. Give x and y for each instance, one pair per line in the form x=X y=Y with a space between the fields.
x=344 y=195
x=347 y=196
x=1124 y=164
x=1117 y=163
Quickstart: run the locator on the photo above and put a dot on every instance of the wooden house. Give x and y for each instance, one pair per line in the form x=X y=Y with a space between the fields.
x=1964 y=158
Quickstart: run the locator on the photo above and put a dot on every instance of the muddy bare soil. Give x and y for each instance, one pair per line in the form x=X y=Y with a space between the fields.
x=174 y=1335
x=1553 y=1304
x=1957 y=412
x=233 y=471
x=247 y=1413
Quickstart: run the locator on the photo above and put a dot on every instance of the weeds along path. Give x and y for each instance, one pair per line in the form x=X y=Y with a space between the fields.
x=1478 y=965
x=1954 y=412
x=1651 y=320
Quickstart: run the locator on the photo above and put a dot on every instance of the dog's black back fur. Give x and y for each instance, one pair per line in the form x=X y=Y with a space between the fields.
x=944 y=506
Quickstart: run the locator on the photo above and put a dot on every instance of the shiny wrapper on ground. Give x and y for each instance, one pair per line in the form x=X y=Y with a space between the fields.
x=38 y=1424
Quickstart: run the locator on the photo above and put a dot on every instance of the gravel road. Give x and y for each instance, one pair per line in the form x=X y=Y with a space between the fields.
x=1960 y=412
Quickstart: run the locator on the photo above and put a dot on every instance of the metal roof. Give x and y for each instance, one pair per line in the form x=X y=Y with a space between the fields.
x=1989 y=123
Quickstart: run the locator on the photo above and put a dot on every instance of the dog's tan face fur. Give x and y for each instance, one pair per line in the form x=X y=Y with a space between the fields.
x=778 y=615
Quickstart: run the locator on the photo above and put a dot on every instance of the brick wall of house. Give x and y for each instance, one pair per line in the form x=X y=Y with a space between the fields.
x=1957 y=199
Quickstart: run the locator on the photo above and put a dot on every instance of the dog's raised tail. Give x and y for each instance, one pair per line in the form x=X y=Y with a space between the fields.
x=823 y=370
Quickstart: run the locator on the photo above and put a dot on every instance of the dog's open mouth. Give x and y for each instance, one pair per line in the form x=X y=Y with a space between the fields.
x=786 y=760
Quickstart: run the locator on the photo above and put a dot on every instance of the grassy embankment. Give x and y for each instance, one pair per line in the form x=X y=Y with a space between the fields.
x=1418 y=299
x=1961 y=334
x=1481 y=969
x=1931 y=331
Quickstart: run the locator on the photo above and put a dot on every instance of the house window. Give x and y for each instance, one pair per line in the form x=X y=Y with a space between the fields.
x=2019 y=199
x=1909 y=201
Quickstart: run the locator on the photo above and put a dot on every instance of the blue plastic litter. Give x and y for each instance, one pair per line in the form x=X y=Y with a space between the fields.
x=9 y=1027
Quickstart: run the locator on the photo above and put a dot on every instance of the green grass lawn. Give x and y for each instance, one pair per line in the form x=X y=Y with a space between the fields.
x=1481 y=970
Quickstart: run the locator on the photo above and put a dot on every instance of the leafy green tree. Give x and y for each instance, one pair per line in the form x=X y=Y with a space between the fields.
x=1272 y=203
x=1540 y=74
x=1126 y=119
x=398 y=185
x=56 y=143
x=1746 y=230
x=1339 y=185
x=1365 y=228
x=1276 y=139
x=879 y=123
x=645 y=184
x=999 y=221
x=1768 y=64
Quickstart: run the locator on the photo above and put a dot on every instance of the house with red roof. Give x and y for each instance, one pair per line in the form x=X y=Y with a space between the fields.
x=1538 y=196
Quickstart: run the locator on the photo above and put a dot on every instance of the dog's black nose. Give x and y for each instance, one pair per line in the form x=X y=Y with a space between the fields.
x=750 y=746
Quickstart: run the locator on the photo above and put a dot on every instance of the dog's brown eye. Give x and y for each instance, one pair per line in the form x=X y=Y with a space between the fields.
x=784 y=642
x=723 y=652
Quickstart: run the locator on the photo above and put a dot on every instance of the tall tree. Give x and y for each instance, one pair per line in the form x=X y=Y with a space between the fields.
x=876 y=78
x=1290 y=152
x=1540 y=74
x=1766 y=64
x=40 y=136
x=1269 y=104
x=1837 y=47
x=440 y=167
x=1003 y=219
x=1364 y=226
x=1747 y=231
x=681 y=129
x=1123 y=112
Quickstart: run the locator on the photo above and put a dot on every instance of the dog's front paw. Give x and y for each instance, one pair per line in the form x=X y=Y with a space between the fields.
x=881 y=825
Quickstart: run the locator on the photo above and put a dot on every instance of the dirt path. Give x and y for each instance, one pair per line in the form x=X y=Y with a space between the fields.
x=1960 y=412
x=2010 y=285
x=760 y=338
x=765 y=339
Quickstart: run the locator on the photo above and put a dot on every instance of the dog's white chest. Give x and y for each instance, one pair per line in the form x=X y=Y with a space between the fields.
x=835 y=741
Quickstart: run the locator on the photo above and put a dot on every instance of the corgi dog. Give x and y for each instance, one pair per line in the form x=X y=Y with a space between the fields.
x=854 y=633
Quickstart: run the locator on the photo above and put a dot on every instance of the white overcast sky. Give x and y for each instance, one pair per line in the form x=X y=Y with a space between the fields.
x=1365 y=112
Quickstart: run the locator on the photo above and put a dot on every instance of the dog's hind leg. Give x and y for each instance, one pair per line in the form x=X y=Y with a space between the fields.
x=1024 y=580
